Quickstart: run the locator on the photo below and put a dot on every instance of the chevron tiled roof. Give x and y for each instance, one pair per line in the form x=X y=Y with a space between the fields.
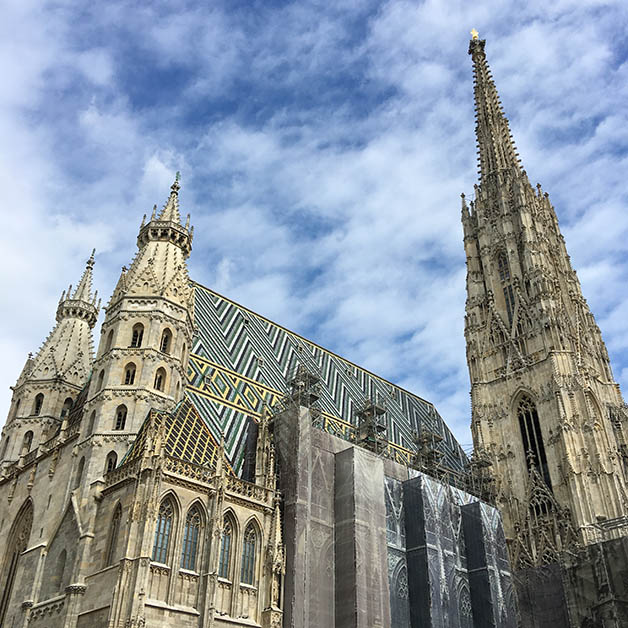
x=241 y=360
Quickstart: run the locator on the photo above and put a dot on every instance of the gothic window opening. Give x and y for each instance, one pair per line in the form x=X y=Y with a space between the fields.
x=138 y=335
x=225 y=550
x=248 y=555
x=111 y=461
x=129 y=374
x=67 y=406
x=166 y=338
x=39 y=402
x=109 y=340
x=162 y=533
x=92 y=421
x=160 y=379
x=509 y=298
x=27 y=442
x=532 y=440
x=190 y=539
x=101 y=379
x=114 y=532
x=17 y=543
x=121 y=412
x=502 y=267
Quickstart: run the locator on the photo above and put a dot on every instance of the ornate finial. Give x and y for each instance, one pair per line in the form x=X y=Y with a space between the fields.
x=176 y=185
x=90 y=261
x=474 y=34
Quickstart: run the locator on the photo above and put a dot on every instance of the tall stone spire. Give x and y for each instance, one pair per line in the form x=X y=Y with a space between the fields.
x=159 y=267
x=67 y=352
x=543 y=394
x=496 y=148
x=51 y=381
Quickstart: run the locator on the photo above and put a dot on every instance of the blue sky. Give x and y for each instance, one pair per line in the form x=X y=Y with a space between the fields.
x=323 y=150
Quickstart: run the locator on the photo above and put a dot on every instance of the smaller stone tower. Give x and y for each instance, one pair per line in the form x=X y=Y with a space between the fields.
x=145 y=338
x=50 y=382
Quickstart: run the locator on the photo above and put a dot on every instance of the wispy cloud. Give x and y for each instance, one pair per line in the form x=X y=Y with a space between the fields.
x=323 y=150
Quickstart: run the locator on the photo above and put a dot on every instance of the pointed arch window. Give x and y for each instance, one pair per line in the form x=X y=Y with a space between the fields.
x=67 y=406
x=114 y=533
x=502 y=267
x=79 y=473
x=27 y=442
x=111 y=461
x=225 y=549
x=160 y=379
x=137 y=335
x=17 y=407
x=92 y=422
x=109 y=342
x=162 y=533
x=101 y=379
x=191 y=532
x=129 y=374
x=247 y=573
x=39 y=402
x=121 y=413
x=531 y=435
x=17 y=543
x=166 y=340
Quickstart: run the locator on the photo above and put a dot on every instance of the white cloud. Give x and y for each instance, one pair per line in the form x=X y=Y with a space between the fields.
x=323 y=152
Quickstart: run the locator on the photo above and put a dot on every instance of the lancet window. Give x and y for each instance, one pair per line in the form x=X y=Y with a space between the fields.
x=121 y=412
x=137 y=335
x=129 y=374
x=191 y=532
x=39 y=402
x=225 y=549
x=160 y=379
x=112 y=460
x=248 y=555
x=162 y=533
x=166 y=339
x=532 y=440
x=17 y=543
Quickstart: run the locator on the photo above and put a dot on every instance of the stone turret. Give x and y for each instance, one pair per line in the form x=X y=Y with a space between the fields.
x=145 y=339
x=543 y=394
x=51 y=380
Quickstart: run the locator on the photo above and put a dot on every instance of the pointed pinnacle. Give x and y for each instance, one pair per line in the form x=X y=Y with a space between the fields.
x=83 y=291
x=170 y=211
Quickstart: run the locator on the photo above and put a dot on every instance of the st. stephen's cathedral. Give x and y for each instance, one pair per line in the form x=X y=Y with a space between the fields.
x=208 y=468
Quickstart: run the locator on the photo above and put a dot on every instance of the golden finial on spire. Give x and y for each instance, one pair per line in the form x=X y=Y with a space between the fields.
x=474 y=34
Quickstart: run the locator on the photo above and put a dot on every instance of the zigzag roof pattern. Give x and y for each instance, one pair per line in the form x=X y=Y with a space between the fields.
x=241 y=361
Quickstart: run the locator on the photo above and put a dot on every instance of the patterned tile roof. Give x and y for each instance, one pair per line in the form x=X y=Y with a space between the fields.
x=241 y=360
x=186 y=435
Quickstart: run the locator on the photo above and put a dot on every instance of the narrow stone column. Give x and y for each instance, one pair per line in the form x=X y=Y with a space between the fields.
x=361 y=556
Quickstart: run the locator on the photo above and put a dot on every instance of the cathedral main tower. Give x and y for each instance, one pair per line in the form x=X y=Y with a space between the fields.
x=546 y=410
